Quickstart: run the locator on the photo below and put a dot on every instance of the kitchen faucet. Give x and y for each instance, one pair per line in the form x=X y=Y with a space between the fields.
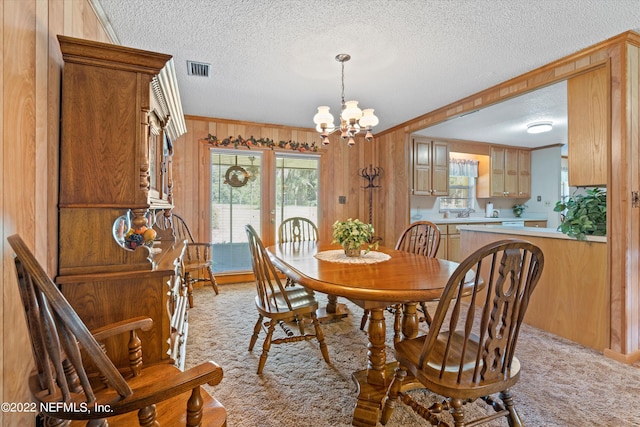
x=465 y=213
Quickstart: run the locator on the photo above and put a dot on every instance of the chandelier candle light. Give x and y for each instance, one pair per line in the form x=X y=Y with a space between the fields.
x=352 y=119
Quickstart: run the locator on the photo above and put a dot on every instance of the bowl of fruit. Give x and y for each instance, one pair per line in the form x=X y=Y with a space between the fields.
x=131 y=237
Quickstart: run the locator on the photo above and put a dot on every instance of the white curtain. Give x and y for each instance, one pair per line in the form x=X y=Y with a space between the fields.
x=463 y=167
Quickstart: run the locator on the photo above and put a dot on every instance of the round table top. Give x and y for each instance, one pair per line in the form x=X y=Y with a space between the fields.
x=404 y=277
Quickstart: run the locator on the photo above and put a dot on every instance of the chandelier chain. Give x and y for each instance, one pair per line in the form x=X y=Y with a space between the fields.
x=342 y=63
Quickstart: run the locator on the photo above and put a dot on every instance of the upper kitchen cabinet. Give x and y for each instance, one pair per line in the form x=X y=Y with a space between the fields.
x=430 y=161
x=588 y=127
x=510 y=173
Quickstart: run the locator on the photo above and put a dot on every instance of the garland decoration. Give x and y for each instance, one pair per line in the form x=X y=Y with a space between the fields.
x=239 y=141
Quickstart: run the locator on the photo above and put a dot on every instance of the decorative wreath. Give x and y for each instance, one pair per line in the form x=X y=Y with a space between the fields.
x=236 y=176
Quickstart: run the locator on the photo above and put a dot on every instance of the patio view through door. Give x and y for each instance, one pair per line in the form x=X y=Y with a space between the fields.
x=261 y=188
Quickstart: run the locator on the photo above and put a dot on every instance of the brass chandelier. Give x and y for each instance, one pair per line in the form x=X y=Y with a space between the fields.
x=353 y=120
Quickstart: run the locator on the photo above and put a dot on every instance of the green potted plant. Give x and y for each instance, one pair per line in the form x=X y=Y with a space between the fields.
x=352 y=234
x=584 y=214
x=518 y=209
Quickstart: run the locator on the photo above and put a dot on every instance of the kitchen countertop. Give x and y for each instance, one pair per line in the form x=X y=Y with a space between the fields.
x=527 y=231
x=482 y=219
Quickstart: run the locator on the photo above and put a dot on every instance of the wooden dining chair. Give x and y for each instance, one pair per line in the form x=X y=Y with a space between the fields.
x=468 y=352
x=197 y=260
x=71 y=393
x=279 y=304
x=297 y=229
x=420 y=238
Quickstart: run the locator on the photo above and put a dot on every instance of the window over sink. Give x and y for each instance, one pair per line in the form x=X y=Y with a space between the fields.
x=462 y=185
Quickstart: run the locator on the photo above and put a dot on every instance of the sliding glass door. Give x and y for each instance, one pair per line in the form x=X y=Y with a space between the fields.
x=296 y=187
x=235 y=201
x=261 y=188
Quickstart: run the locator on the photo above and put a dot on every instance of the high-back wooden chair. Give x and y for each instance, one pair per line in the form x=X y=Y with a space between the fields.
x=297 y=229
x=65 y=389
x=197 y=261
x=421 y=238
x=468 y=352
x=279 y=304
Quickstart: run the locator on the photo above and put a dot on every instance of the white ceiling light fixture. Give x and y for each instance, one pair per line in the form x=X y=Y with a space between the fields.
x=539 y=127
x=352 y=119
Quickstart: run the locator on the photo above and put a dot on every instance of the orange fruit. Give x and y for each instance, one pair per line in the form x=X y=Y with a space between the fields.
x=149 y=235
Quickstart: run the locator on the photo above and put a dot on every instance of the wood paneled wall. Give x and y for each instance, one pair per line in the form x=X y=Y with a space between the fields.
x=29 y=121
x=339 y=165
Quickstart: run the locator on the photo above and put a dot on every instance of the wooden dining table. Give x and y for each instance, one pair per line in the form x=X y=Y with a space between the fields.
x=403 y=278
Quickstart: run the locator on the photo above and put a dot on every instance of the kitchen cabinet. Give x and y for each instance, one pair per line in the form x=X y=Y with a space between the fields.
x=588 y=127
x=510 y=173
x=430 y=160
x=449 y=248
x=115 y=169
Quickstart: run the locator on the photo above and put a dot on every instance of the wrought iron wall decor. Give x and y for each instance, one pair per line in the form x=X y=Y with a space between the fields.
x=370 y=175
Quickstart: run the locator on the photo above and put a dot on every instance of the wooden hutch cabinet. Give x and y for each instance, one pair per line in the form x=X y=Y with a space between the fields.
x=115 y=154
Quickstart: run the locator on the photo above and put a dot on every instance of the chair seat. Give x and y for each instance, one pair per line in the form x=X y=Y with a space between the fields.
x=408 y=355
x=302 y=301
x=196 y=265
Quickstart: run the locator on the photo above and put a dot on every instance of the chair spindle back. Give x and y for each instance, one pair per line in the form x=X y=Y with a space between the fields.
x=268 y=283
x=484 y=323
x=421 y=238
x=297 y=229
x=55 y=330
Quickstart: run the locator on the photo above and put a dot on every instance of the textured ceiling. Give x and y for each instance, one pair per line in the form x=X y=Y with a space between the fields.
x=273 y=61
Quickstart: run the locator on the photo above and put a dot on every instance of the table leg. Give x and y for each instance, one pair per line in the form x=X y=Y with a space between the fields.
x=372 y=383
x=376 y=373
x=333 y=311
x=410 y=321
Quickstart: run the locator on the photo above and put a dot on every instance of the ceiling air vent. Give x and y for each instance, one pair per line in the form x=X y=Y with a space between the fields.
x=198 y=68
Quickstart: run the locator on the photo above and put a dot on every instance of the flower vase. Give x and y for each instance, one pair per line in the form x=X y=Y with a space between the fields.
x=352 y=252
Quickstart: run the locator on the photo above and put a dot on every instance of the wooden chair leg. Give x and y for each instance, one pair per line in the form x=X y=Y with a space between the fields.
x=363 y=322
x=194 y=408
x=97 y=423
x=513 y=418
x=320 y=337
x=457 y=412
x=397 y=324
x=392 y=395
x=425 y=311
x=300 y=322
x=147 y=416
x=266 y=346
x=212 y=278
x=256 y=332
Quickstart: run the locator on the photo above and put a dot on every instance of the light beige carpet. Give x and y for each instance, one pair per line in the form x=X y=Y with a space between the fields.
x=562 y=383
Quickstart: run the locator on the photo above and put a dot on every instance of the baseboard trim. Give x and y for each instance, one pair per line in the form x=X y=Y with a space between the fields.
x=629 y=358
